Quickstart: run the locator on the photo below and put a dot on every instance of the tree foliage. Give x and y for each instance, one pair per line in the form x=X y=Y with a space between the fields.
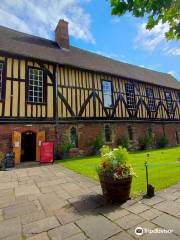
x=158 y=11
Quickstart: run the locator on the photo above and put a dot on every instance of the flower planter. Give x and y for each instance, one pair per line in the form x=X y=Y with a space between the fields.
x=115 y=190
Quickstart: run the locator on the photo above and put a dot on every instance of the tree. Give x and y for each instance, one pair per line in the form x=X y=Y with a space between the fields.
x=157 y=11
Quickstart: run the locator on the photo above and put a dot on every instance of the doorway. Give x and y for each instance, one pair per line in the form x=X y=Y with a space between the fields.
x=28 y=146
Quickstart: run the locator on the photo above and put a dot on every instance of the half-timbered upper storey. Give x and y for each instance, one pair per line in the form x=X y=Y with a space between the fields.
x=43 y=80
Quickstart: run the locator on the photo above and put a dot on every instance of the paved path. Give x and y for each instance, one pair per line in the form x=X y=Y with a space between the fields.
x=53 y=203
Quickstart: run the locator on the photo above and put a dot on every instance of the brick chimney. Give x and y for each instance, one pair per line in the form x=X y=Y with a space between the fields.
x=61 y=34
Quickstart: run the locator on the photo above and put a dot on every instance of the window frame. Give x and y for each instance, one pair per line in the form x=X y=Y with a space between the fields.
x=151 y=99
x=130 y=131
x=3 y=87
x=44 y=102
x=70 y=134
x=110 y=131
x=128 y=106
x=112 y=102
x=168 y=102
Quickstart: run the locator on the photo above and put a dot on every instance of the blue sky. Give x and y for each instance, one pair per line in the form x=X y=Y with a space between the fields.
x=93 y=28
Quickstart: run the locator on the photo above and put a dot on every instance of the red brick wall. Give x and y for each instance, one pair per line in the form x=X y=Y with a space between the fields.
x=87 y=133
x=6 y=131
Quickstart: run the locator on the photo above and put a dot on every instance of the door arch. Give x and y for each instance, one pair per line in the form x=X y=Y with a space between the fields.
x=28 y=146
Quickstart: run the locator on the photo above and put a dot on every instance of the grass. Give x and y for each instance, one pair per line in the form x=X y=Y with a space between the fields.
x=161 y=176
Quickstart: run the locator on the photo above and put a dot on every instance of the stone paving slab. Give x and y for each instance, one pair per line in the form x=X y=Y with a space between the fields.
x=122 y=236
x=40 y=226
x=98 y=227
x=10 y=228
x=19 y=209
x=50 y=202
x=137 y=208
x=150 y=214
x=26 y=189
x=114 y=213
x=67 y=214
x=32 y=217
x=40 y=236
x=170 y=207
x=168 y=222
x=129 y=221
x=63 y=232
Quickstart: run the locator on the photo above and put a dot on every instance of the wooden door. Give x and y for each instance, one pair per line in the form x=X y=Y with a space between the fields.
x=16 y=140
x=40 y=137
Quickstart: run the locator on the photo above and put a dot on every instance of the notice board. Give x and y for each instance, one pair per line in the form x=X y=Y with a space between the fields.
x=47 y=152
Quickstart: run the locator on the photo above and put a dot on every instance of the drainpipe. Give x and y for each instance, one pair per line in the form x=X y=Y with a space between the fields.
x=56 y=114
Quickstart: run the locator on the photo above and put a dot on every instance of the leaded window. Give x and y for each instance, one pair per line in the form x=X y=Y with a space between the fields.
x=130 y=96
x=130 y=133
x=107 y=93
x=169 y=101
x=108 y=133
x=73 y=138
x=35 y=86
x=1 y=79
x=151 y=99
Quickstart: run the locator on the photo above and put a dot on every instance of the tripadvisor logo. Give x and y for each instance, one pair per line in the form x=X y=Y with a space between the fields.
x=139 y=231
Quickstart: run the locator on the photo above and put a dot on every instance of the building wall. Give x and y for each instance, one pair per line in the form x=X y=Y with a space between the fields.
x=87 y=133
x=82 y=92
x=6 y=132
x=15 y=103
x=80 y=95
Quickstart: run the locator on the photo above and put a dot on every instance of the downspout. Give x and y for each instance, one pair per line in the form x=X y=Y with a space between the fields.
x=57 y=75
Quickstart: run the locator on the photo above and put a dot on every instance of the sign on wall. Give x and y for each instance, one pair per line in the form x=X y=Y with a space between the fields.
x=47 y=152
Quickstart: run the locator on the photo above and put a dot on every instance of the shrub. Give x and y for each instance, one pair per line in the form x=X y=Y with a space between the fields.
x=146 y=141
x=2 y=156
x=99 y=142
x=65 y=147
x=114 y=163
x=162 y=142
x=123 y=141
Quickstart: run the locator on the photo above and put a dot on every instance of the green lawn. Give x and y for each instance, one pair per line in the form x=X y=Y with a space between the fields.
x=160 y=176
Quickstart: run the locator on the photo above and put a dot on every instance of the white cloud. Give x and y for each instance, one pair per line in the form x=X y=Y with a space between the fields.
x=151 y=40
x=174 y=51
x=172 y=73
x=41 y=17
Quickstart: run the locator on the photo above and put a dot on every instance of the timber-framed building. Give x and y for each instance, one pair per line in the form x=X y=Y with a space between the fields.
x=50 y=90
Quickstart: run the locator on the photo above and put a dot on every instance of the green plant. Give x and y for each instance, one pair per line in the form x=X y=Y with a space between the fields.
x=123 y=141
x=114 y=163
x=156 y=12
x=99 y=142
x=65 y=147
x=146 y=141
x=2 y=156
x=162 y=142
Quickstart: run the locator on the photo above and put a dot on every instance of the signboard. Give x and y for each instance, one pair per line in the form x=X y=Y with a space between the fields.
x=47 y=152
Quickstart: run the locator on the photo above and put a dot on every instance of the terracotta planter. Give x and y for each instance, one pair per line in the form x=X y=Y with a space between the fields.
x=115 y=190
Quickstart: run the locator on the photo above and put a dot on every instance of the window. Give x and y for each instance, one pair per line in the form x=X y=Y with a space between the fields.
x=73 y=138
x=130 y=133
x=178 y=96
x=151 y=100
x=1 y=79
x=130 y=95
x=177 y=137
x=107 y=93
x=169 y=101
x=108 y=133
x=35 y=86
